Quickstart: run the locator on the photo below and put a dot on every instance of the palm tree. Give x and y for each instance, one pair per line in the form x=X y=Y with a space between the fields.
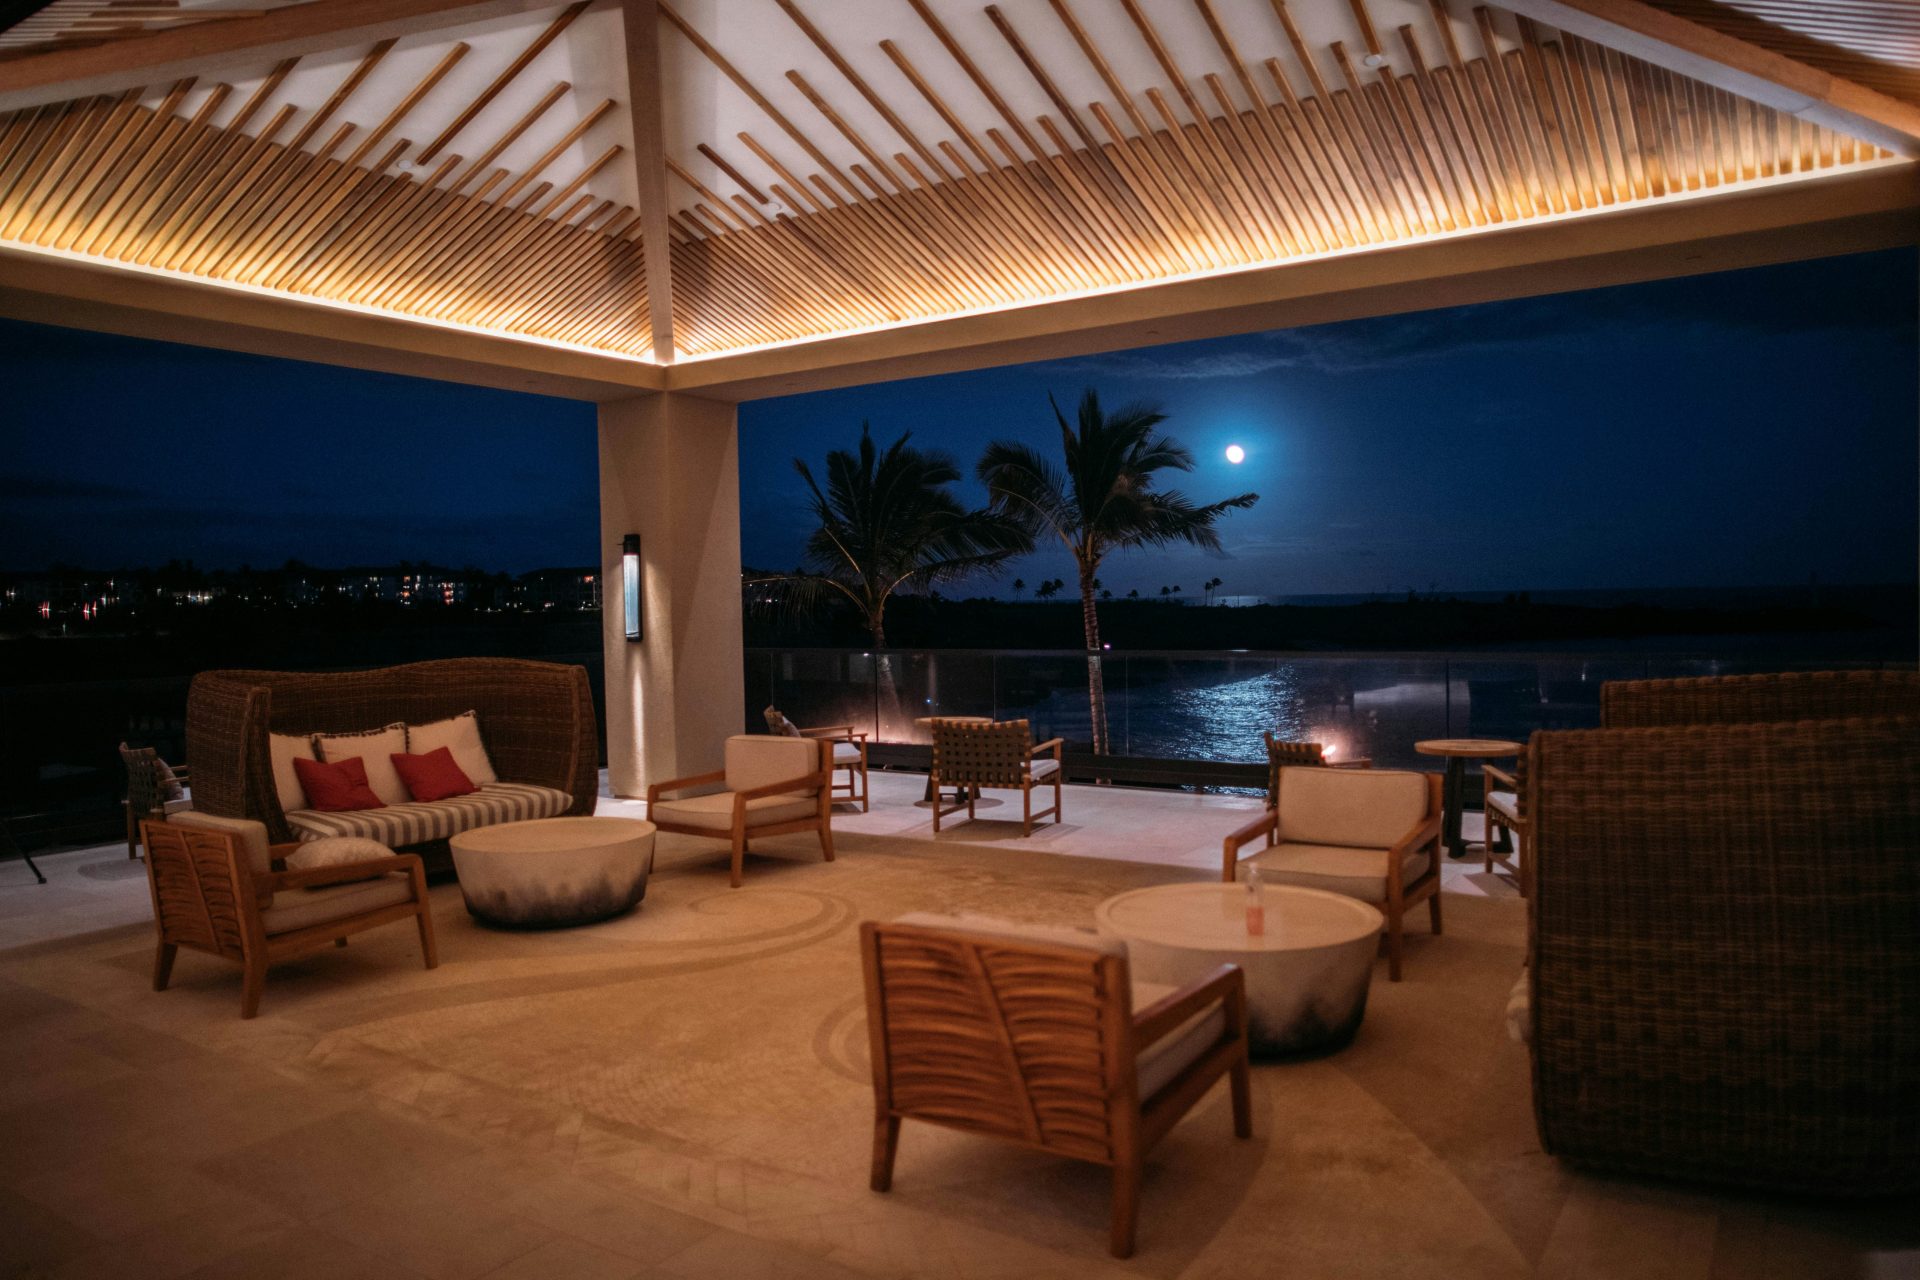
x=1019 y=585
x=1103 y=501
x=887 y=523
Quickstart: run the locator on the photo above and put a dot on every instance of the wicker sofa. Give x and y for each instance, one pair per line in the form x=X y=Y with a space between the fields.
x=1725 y=937
x=536 y=717
x=1758 y=699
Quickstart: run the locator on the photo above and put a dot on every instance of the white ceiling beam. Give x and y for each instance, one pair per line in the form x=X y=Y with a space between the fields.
x=641 y=21
x=201 y=48
x=1730 y=63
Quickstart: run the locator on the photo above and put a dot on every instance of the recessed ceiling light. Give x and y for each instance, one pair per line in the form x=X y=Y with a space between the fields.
x=1375 y=60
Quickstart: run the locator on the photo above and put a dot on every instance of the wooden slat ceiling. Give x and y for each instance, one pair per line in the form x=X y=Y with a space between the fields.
x=838 y=166
x=70 y=23
x=1875 y=43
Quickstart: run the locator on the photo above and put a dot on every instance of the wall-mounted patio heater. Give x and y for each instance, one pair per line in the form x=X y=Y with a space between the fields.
x=630 y=583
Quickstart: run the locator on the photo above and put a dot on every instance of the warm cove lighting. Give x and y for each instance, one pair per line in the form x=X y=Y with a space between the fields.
x=1236 y=455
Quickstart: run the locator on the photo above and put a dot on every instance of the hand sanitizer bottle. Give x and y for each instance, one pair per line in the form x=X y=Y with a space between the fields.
x=1256 y=905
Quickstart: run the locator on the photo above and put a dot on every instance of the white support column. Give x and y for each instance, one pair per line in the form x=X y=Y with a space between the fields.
x=669 y=471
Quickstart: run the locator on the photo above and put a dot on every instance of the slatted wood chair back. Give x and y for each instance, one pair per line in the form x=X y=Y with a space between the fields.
x=197 y=881
x=1018 y=1040
x=1282 y=754
x=1758 y=699
x=973 y=753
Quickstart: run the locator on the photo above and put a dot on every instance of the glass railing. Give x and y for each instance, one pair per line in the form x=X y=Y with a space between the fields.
x=1214 y=706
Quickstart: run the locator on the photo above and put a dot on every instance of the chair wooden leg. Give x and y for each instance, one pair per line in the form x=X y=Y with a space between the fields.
x=339 y=942
x=253 y=982
x=826 y=840
x=133 y=833
x=1058 y=808
x=1126 y=1207
x=429 y=951
x=886 y=1142
x=933 y=790
x=1433 y=909
x=1240 y=1082
x=163 y=955
x=739 y=858
x=1026 y=811
x=866 y=788
x=1393 y=947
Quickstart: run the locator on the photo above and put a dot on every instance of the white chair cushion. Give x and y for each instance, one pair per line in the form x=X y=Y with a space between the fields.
x=845 y=753
x=1505 y=804
x=252 y=835
x=1363 y=808
x=1043 y=768
x=758 y=759
x=1356 y=873
x=284 y=749
x=715 y=812
x=1181 y=1047
x=299 y=908
x=336 y=851
x=460 y=735
x=1520 y=1010
x=376 y=749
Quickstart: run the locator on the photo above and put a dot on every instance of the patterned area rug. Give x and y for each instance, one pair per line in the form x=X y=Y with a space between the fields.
x=707 y=1052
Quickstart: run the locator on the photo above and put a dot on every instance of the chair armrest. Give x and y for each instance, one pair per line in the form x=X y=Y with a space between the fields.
x=829 y=731
x=1265 y=826
x=1425 y=831
x=781 y=788
x=1051 y=744
x=1358 y=762
x=1498 y=774
x=314 y=877
x=681 y=784
x=1225 y=983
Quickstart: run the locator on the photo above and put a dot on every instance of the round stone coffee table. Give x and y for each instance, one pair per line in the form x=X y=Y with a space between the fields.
x=553 y=872
x=1307 y=975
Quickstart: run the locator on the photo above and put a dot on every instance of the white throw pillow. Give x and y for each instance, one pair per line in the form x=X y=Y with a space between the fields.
x=376 y=749
x=461 y=736
x=335 y=851
x=285 y=748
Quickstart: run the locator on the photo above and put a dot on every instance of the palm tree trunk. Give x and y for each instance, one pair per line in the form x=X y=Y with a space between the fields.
x=888 y=711
x=1096 y=678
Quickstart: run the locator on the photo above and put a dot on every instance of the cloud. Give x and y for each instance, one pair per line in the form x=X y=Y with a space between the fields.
x=1216 y=364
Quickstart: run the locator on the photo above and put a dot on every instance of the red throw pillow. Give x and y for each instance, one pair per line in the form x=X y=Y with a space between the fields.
x=337 y=786
x=433 y=776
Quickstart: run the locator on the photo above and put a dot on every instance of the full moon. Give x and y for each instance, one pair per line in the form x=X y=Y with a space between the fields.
x=1236 y=455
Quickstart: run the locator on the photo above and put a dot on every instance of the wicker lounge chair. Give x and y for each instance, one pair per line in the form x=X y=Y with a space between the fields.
x=1040 y=1037
x=971 y=754
x=215 y=890
x=1726 y=952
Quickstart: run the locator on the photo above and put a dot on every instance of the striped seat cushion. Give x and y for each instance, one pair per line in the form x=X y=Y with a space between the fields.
x=399 y=825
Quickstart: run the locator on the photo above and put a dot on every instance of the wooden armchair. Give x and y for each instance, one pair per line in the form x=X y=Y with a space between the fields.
x=1040 y=1037
x=849 y=753
x=216 y=891
x=1371 y=834
x=1503 y=801
x=971 y=754
x=768 y=786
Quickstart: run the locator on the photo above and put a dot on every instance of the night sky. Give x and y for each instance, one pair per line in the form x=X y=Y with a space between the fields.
x=1748 y=428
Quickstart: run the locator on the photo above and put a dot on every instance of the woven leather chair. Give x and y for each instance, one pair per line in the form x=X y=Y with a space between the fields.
x=1733 y=997
x=215 y=891
x=1039 y=1036
x=768 y=786
x=154 y=789
x=971 y=754
x=849 y=753
x=1282 y=754
x=1371 y=834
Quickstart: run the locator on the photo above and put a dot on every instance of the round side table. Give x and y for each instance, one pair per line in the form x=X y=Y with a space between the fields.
x=1457 y=752
x=549 y=873
x=1307 y=974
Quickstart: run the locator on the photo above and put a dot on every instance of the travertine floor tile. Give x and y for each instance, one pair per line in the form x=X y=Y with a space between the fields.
x=562 y=1259
x=439 y=1233
x=302 y=1253
x=35 y=1239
